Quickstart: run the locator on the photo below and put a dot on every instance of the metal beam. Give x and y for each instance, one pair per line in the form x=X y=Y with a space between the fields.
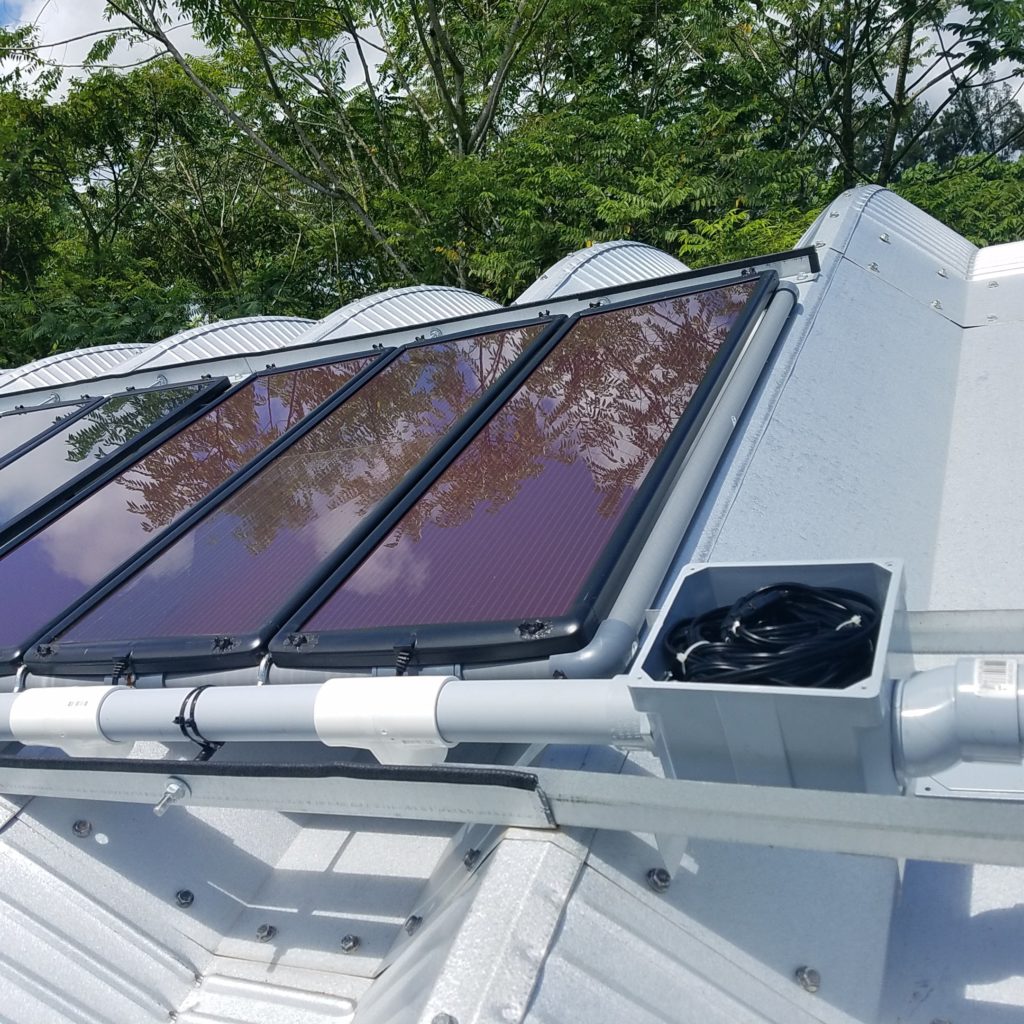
x=967 y=831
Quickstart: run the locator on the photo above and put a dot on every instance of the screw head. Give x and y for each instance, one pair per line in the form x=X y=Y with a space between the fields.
x=443 y=1018
x=349 y=943
x=659 y=879
x=412 y=923
x=265 y=932
x=82 y=828
x=472 y=856
x=809 y=978
x=184 y=897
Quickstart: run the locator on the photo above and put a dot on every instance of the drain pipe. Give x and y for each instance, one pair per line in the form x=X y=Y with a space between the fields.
x=400 y=719
x=613 y=644
x=972 y=710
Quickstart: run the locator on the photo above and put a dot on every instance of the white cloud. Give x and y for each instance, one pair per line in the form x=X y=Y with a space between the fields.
x=69 y=28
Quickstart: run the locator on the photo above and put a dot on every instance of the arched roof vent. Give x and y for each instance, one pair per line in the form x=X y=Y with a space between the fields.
x=398 y=307
x=603 y=265
x=67 y=367
x=224 y=338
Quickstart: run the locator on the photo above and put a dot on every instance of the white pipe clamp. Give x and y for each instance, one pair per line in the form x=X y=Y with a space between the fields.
x=64 y=716
x=394 y=717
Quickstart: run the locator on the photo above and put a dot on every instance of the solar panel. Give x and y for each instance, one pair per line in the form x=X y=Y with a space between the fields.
x=216 y=590
x=20 y=429
x=514 y=541
x=77 y=450
x=61 y=562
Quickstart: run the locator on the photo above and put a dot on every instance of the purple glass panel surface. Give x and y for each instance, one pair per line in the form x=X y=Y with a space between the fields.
x=515 y=525
x=18 y=428
x=235 y=568
x=50 y=465
x=58 y=565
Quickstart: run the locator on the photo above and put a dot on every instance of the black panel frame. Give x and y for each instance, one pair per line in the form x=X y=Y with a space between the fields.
x=85 y=406
x=62 y=497
x=483 y=642
x=211 y=652
x=378 y=357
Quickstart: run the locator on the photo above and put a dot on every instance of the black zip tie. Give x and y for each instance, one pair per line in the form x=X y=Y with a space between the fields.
x=403 y=656
x=123 y=667
x=186 y=722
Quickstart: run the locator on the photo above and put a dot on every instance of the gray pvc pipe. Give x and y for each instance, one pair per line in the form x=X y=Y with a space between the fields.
x=972 y=710
x=576 y=711
x=231 y=713
x=612 y=646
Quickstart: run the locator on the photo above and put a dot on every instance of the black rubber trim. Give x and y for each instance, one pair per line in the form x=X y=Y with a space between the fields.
x=506 y=778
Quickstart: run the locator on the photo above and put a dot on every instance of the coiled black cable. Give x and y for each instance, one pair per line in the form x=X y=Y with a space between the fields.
x=786 y=634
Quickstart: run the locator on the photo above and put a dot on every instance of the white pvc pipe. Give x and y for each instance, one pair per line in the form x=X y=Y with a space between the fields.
x=401 y=719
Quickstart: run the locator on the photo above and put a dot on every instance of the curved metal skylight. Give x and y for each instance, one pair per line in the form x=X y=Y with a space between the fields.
x=224 y=338
x=67 y=367
x=603 y=265
x=398 y=307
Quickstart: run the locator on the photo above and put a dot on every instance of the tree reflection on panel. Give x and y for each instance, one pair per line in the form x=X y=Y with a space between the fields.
x=19 y=428
x=181 y=472
x=57 y=566
x=97 y=435
x=514 y=527
x=230 y=572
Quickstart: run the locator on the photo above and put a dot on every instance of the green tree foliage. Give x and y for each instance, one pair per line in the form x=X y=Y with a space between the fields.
x=329 y=148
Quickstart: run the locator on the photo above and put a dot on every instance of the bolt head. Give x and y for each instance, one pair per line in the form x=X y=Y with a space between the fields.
x=412 y=923
x=443 y=1018
x=659 y=879
x=809 y=978
x=349 y=943
x=184 y=897
x=472 y=856
x=82 y=828
x=265 y=932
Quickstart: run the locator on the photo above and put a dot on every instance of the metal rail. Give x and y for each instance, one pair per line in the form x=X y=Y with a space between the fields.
x=965 y=831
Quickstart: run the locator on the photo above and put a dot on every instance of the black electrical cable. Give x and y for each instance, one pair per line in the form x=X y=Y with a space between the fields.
x=786 y=634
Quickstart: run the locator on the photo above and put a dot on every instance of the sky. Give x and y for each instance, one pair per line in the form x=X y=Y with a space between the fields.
x=61 y=21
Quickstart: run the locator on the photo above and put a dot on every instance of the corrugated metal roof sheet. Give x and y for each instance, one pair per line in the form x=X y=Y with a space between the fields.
x=397 y=307
x=998 y=261
x=225 y=338
x=67 y=367
x=601 y=266
x=896 y=216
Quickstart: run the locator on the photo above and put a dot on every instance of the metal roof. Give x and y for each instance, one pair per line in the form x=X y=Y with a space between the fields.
x=67 y=367
x=226 y=337
x=886 y=424
x=397 y=307
x=603 y=265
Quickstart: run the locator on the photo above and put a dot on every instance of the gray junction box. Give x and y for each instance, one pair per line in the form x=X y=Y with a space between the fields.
x=770 y=735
